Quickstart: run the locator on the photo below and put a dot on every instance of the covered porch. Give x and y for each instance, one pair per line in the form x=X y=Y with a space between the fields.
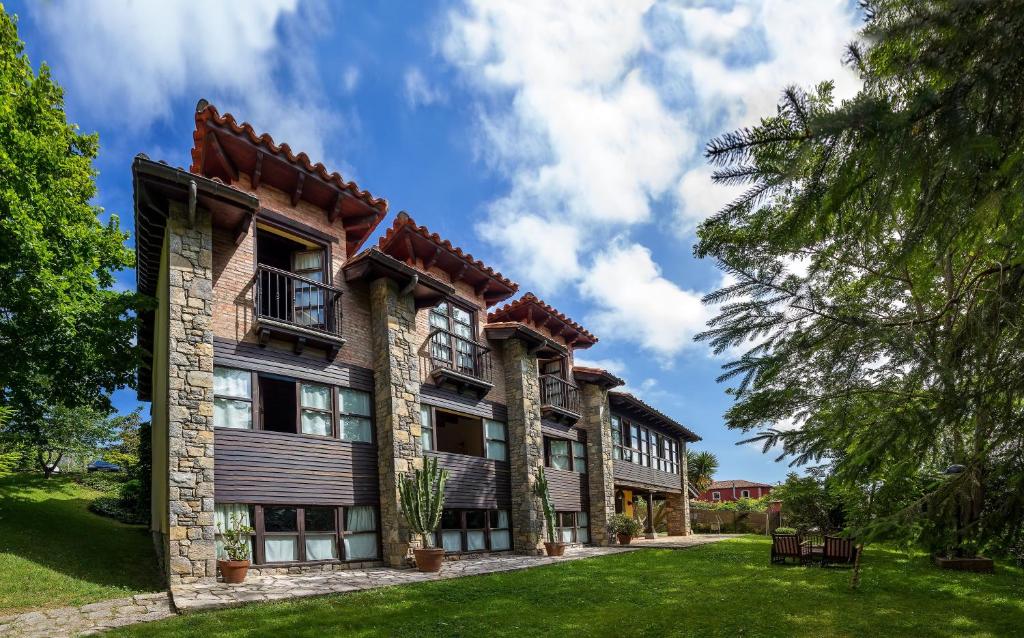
x=669 y=517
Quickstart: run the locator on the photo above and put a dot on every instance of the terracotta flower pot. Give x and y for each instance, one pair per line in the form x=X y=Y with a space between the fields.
x=233 y=571
x=624 y=539
x=554 y=549
x=429 y=560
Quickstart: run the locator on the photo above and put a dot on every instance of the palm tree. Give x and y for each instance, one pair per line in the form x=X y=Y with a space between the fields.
x=700 y=469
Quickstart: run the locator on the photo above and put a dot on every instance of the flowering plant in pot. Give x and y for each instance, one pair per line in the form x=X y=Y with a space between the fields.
x=236 y=546
x=422 y=503
x=552 y=546
x=624 y=527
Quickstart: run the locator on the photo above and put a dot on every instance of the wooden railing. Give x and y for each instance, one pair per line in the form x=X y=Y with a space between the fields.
x=559 y=393
x=292 y=299
x=445 y=350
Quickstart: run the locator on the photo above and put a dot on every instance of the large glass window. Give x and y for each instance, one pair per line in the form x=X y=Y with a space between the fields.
x=286 y=533
x=445 y=431
x=579 y=457
x=455 y=340
x=280 y=534
x=573 y=527
x=497 y=440
x=232 y=398
x=474 y=531
x=644 y=446
x=225 y=516
x=360 y=533
x=616 y=437
x=354 y=412
x=315 y=409
x=321 y=533
x=426 y=428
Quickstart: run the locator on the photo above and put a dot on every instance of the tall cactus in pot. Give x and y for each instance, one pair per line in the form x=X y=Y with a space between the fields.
x=552 y=546
x=422 y=496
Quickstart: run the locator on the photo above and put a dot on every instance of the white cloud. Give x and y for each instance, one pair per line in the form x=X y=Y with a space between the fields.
x=130 y=60
x=420 y=92
x=615 y=366
x=634 y=301
x=350 y=78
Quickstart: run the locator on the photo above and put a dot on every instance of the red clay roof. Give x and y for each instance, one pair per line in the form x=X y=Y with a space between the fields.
x=589 y=373
x=627 y=400
x=408 y=241
x=727 y=485
x=527 y=306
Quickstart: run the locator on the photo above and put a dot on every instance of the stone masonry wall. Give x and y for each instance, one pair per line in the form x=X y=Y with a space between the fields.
x=596 y=420
x=525 y=445
x=677 y=506
x=191 y=553
x=396 y=397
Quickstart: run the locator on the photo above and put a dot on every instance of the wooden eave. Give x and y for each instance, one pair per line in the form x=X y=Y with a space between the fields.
x=531 y=311
x=539 y=343
x=223 y=149
x=419 y=248
x=155 y=186
x=627 y=404
x=428 y=291
x=597 y=376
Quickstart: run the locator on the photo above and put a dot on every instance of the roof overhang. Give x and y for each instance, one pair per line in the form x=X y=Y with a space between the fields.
x=596 y=376
x=629 y=404
x=538 y=343
x=427 y=291
x=223 y=148
x=156 y=185
x=418 y=247
x=530 y=310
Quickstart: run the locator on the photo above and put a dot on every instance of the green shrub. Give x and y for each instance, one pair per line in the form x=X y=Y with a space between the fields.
x=622 y=524
x=785 y=530
x=106 y=482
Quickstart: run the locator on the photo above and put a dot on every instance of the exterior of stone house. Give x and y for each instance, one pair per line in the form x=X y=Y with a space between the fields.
x=295 y=374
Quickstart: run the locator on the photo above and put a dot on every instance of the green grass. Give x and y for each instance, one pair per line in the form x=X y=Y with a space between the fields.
x=55 y=553
x=725 y=589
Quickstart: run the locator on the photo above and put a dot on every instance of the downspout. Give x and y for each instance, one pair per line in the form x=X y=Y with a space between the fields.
x=192 y=197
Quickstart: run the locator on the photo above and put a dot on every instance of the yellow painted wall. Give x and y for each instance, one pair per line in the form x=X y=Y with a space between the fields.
x=159 y=520
x=627 y=502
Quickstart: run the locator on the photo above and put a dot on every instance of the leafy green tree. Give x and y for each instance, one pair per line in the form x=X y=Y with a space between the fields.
x=878 y=261
x=65 y=432
x=65 y=331
x=808 y=503
x=9 y=458
x=700 y=469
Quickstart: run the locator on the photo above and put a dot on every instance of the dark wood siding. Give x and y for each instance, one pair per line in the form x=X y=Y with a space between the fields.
x=248 y=356
x=449 y=400
x=560 y=430
x=568 y=489
x=252 y=466
x=633 y=475
x=475 y=482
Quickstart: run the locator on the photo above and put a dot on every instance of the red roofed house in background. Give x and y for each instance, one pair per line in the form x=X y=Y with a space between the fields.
x=735 y=490
x=295 y=374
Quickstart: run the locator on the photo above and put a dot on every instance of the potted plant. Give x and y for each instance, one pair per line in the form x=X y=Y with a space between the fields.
x=422 y=503
x=624 y=527
x=236 y=546
x=552 y=546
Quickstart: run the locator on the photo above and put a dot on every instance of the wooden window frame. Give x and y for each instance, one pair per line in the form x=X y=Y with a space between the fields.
x=464 y=531
x=576 y=527
x=336 y=399
x=483 y=434
x=277 y=221
x=251 y=399
x=260 y=534
x=331 y=410
x=651 y=451
x=487 y=439
x=548 y=440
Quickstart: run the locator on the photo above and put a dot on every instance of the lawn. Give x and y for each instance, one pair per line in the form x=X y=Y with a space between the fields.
x=55 y=553
x=725 y=589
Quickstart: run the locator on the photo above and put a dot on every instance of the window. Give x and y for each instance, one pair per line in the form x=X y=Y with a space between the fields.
x=616 y=437
x=286 y=533
x=280 y=534
x=223 y=513
x=497 y=440
x=360 y=533
x=716 y=496
x=321 y=533
x=573 y=527
x=426 y=428
x=745 y=493
x=474 y=531
x=298 y=299
x=456 y=336
x=558 y=454
x=644 y=446
x=232 y=398
x=354 y=413
x=579 y=457
x=315 y=409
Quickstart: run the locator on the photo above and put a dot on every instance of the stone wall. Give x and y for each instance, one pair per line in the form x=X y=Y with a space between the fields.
x=596 y=420
x=191 y=554
x=396 y=397
x=525 y=444
x=677 y=506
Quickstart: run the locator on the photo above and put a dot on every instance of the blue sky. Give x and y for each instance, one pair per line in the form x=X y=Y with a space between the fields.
x=560 y=142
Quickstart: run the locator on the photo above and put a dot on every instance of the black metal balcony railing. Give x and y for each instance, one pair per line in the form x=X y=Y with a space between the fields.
x=292 y=299
x=445 y=351
x=558 y=393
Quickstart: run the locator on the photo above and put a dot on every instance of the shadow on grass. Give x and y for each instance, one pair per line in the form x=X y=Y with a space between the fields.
x=725 y=589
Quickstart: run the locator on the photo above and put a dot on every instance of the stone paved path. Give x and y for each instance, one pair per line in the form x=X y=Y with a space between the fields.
x=87 y=620
x=98 y=617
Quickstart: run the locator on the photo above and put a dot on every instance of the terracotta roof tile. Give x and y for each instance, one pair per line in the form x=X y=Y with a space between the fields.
x=725 y=485
x=529 y=299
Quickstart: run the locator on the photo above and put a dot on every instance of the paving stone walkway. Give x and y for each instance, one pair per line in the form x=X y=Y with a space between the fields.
x=98 y=617
x=88 y=620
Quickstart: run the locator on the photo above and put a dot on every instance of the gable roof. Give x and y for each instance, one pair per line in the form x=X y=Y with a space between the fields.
x=738 y=483
x=409 y=242
x=222 y=148
x=626 y=401
x=531 y=310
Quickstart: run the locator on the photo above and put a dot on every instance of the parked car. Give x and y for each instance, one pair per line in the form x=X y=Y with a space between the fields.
x=102 y=466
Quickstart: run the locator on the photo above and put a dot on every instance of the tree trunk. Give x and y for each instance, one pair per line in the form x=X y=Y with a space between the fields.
x=855 y=578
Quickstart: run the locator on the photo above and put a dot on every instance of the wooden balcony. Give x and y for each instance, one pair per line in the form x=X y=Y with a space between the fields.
x=450 y=359
x=559 y=399
x=294 y=308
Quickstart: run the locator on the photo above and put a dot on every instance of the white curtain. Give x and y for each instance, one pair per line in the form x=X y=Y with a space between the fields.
x=222 y=514
x=426 y=430
x=497 y=450
x=579 y=457
x=356 y=428
x=583 y=535
x=316 y=423
x=278 y=549
x=566 y=534
x=232 y=414
x=232 y=382
x=475 y=540
x=582 y=519
x=360 y=546
x=451 y=541
x=502 y=519
x=307 y=260
x=354 y=402
x=559 y=454
x=316 y=396
x=500 y=539
x=321 y=547
x=360 y=519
